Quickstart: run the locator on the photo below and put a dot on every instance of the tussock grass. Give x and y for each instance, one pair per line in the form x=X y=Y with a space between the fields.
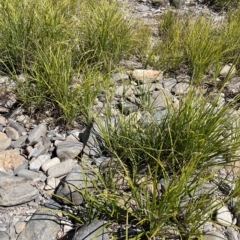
x=52 y=43
x=198 y=42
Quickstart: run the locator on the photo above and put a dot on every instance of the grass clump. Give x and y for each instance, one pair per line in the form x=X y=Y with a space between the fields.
x=50 y=44
x=181 y=153
x=197 y=42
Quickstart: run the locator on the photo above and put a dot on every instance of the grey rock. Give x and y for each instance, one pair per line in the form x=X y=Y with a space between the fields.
x=21 y=190
x=37 y=134
x=19 y=142
x=127 y=107
x=43 y=225
x=23 y=165
x=51 y=203
x=4 y=236
x=36 y=164
x=68 y=150
x=231 y=234
x=233 y=86
x=50 y=163
x=61 y=169
x=76 y=179
x=169 y=83
x=18 y=127
x=214 y=236
x=5 y=144
x=161 y=99
x=180 y=88
x=3 y=121
x=36 y=152
x=95 y=230
x=25 y=173
x=51 y=183
x=12 y=133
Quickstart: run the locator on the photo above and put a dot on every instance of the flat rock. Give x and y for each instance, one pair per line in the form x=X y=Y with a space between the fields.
x=95 y=230
x=31 y=175
x=50 y=163
x=3 y=121
x=21 y=190
x=224 y=216
x=68 y=150
x=11 y=159
x=17 y=126
x=19 y=142
x=44 y=225
x=36 y=164
x=61 y=169
x=12 y=133
x=147 y=76
x=37 y=134
x=3 y=136
x=228 y=69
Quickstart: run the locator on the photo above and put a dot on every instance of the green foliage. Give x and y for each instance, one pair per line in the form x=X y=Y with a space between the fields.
x=198 y=42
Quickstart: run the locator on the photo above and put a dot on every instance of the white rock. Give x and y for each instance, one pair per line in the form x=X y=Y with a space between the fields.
x=228 y=69
x=224 y=216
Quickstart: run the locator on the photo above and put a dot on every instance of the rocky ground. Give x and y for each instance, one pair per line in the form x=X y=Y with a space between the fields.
x=38 y=159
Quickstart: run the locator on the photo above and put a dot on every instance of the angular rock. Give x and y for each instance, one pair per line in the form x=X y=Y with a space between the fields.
x=68 y=189
x=44 y=225
x=68 y=150
x=11 y=159
x=36 y=164
x=37 y=134
x=119 y=77
x=95 y=230
x=169 y=83
x=12 y=133
x=3 y=121
x=61 y=169
x=23 y=165
x=50 y=163
x=147 y=76
x=51 y=183
x=21 y=190
x=37 y=152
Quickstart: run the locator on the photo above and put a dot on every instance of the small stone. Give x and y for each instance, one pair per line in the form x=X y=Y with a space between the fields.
x=36 y=164
x=19 y=142
x=37 y=134
x=161 y=99
x=50 y=163
x=4 y=110
x=61 y=169
x=143 y=8
x=68 y=150
x=224 y=216
x=180 y=88
x=12 y=133
x=177 y=3
x=169 y=83
x=19 y=128
x=228 y=69
x=119 y=77
x=123 y=91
